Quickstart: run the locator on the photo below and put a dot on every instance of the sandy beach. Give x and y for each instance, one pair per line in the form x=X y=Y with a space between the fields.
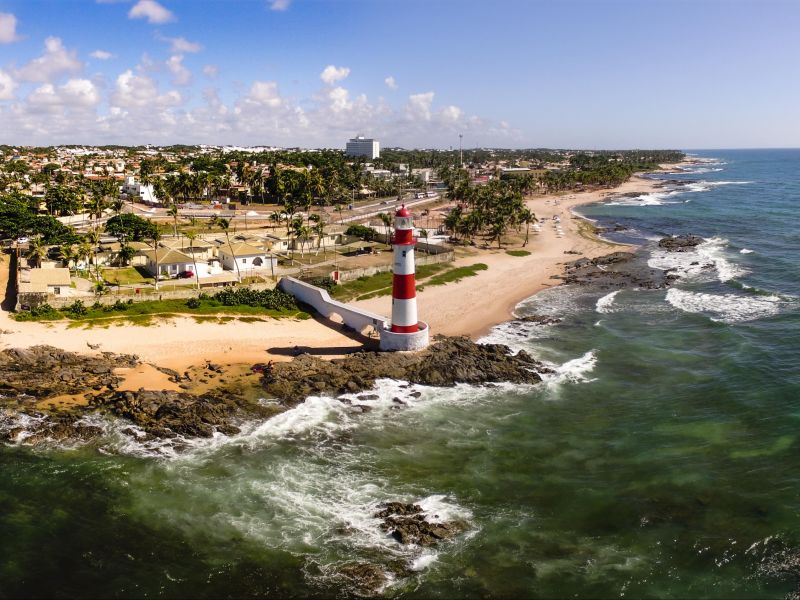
x=469 y=307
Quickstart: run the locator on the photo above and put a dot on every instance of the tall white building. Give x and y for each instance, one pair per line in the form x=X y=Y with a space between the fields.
x=361 y=146
x=138 y=192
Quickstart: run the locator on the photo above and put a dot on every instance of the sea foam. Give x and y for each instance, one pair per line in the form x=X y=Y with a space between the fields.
x=604 y=304
x=725 y=308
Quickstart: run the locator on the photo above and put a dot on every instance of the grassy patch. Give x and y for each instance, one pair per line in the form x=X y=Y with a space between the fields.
x=125 y=276
x=379 y=284
x=143 y=313
x=518 y=253
x=455 y=275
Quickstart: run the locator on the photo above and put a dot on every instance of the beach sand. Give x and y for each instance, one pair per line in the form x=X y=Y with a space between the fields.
x=469 y=307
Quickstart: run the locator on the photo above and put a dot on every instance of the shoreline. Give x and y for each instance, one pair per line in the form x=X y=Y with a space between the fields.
x=468 y=307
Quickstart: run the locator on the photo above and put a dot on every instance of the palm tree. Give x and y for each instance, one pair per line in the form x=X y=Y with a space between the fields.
x=527 y=217
x=155 y=237
x=68 y=254
x=387 y=222
x=37 y=251
x=424 y=233
x=93 y=237
x=339 y=208
x=192 y=236
x=172 y=211
x=225 y=224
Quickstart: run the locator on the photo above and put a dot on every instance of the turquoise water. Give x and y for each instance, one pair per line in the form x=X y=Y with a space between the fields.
x=655 y=463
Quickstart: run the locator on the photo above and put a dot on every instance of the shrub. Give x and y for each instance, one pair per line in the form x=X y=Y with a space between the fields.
x=269 y=299
x=193 y=303
x=326 y=283
x=77 y=309
x=365 y=233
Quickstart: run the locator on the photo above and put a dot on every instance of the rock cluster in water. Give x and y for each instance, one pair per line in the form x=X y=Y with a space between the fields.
x=408 y=524
x=444 y=363
x=680 y=243
x=615 y=270
x=30 y=377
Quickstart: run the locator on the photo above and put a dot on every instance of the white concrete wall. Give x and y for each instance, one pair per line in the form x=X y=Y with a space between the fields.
x=321 y=301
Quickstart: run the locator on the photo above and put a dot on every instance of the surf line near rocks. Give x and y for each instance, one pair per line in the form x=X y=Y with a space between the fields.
x=404 y=332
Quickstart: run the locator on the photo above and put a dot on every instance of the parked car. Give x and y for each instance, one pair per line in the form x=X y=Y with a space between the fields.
x=186 y=274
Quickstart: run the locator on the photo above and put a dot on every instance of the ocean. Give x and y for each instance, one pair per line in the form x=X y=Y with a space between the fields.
x=659 y=460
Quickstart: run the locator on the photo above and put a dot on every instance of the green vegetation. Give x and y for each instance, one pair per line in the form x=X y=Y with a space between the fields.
x=240 y=301
x=362 y=231
x=455 y=275
x=380 y=284
x=518 y=253
x=125 y=276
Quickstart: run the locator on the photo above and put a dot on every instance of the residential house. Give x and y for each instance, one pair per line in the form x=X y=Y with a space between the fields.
x=251 y=260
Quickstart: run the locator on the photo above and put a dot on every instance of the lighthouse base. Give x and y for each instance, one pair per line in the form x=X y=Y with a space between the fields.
x=401 y=342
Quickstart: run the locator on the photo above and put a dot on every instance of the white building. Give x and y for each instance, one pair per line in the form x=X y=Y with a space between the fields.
x=134 y=190
x=361 y=146
x=250 y=259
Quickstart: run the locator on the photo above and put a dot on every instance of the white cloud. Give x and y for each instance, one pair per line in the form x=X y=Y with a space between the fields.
x=211 y=71
x=101 y=55
x=76 y=94
x=152 y=11
x=7 y=86
x=265 y=93
x=134 y=109
x=331 y=74
x=55 y=60
x=8 y=28
x=279 y=4
x=419 y=106
x=390 y=83
x=182 y=75
x=139 y=91
x=181 y=45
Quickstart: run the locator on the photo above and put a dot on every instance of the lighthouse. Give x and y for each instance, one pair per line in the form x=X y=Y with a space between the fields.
x=405 y=331
x=404 y=285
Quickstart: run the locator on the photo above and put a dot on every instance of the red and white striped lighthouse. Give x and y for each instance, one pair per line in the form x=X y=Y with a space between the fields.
x=404 y=287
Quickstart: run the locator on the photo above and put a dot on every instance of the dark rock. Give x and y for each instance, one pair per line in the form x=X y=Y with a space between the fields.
x=364 y=578
x=407 y=524
x=445 y=363
x=680 y=243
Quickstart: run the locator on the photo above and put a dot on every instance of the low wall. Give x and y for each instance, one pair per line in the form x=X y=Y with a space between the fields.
x=431 y=259
x=144 y=296
x=321 y=301
x=405 y=342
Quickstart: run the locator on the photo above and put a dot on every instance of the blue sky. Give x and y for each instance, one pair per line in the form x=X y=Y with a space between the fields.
x=513 y=73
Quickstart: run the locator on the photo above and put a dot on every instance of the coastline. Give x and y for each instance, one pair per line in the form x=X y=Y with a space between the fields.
x=469 y=307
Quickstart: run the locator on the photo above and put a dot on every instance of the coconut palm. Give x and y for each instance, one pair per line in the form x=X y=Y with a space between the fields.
x=68 y=254
x=37 y=251
x=527 y=217
x=155 y=237
x=192 y=236
x=172 y=211
x=225 y=224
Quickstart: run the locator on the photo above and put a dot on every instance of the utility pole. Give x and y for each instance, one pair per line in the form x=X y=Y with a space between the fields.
x=460 y=151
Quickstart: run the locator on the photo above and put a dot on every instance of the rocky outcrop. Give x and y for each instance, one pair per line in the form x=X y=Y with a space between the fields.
x=167 y=413
x=680 y=243
x=615 y=270
x=45 y=371
x=445 y=363
x=408 y=524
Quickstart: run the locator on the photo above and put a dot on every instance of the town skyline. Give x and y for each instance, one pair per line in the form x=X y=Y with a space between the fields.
x=312 y=75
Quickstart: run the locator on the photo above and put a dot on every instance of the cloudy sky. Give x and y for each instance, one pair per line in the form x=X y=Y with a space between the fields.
x=511 y=73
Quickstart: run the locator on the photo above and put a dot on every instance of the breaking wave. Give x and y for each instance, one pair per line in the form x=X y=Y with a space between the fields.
x=604 y=304
x=707 y=257
x=726 y=308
